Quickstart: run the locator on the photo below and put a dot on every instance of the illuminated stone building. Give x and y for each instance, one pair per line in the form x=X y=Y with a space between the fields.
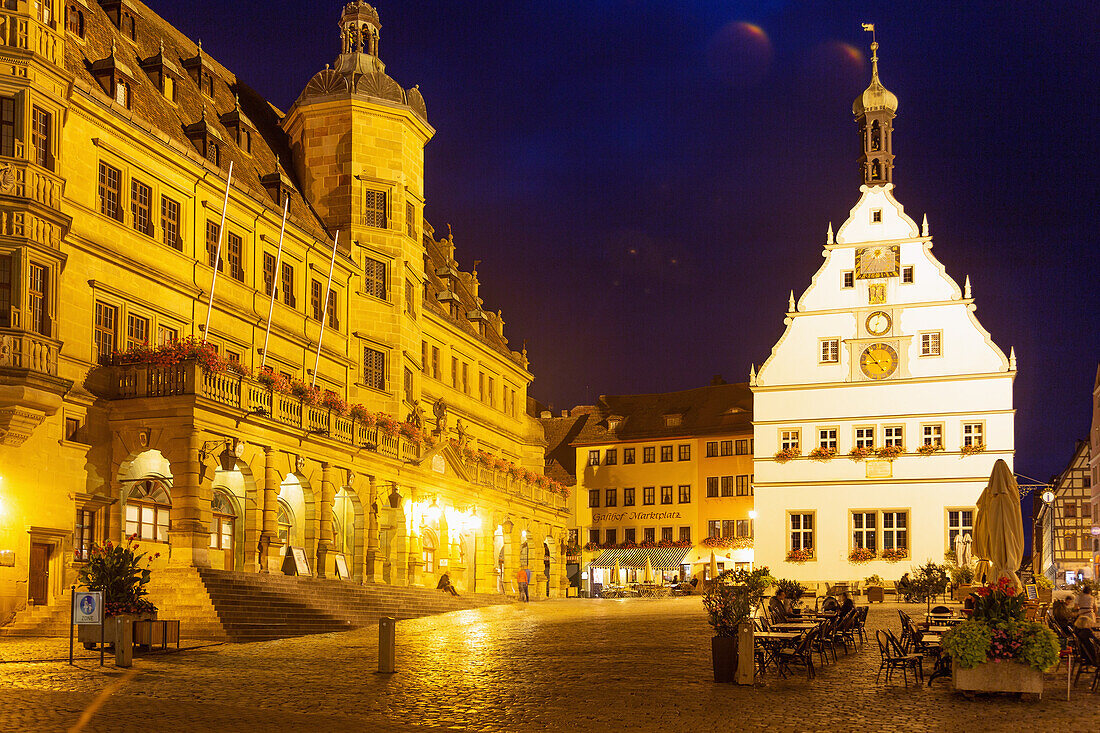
x=117 y=134
x=671 y=470
x=883 y=406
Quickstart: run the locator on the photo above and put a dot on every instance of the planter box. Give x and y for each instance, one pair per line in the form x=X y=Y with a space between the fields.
x=89 y=635
x=998 y=677
x=875 y=593
x=723 y=650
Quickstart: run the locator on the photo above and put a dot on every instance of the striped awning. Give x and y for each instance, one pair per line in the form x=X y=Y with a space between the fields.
x=661 y=558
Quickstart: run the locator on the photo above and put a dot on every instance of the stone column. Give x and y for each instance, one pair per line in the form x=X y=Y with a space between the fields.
x=324 y=540
x=270 y=544
x=190 y=532
x=372 y=562
x=485 y=576
x=414 y=562
x=399 y=563
x=512 y=542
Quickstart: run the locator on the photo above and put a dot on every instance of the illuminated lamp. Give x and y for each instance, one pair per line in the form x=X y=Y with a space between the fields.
x=433 y=511
x=752 y=514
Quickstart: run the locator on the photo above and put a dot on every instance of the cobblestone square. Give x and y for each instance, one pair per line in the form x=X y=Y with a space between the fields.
x=576 y=665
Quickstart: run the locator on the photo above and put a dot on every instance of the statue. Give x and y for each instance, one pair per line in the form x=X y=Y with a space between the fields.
x=7 y=178
x=462 y=434
x=416 y=415
x=439 y=409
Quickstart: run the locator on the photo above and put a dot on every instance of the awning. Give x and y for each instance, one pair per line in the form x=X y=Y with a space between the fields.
x=662 y=558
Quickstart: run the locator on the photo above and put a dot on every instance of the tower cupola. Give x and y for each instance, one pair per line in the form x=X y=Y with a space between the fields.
x=359 y=26
x=874 y=111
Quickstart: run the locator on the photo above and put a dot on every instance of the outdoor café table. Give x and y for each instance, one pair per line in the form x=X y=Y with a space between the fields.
x=773 y=641
x=794 y=626
x=934 y=629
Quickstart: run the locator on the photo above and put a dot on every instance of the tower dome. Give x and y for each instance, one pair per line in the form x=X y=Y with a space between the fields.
x=875 y=96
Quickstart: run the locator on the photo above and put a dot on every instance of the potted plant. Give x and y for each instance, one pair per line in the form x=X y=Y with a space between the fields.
x=928 y=449
x=730 y=603
x=121 y=573
x=973 y=449
x=961 y=578
x=787 y=454
x=802 y=555
x=822 y=454
x=893 y=555
x=861 y=554
x=890 y=452
x=874 y=589
x=996 y=650
x=792 y=589
x=860 y=452
x=1045 y=588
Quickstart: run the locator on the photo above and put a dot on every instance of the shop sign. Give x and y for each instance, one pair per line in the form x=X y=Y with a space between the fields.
x=632 y=516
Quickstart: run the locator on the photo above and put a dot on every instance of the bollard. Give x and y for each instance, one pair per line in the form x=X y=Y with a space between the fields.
x=124 y=642
x=387 y=627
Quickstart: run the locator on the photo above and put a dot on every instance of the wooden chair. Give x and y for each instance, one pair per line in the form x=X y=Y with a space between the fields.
x=892 y=658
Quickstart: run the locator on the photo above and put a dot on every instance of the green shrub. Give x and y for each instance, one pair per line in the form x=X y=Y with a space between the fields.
x=1040 y=647
x=792 y=588
x=873 y=580
x=1043 y=582
x=734 y=597
x=968 y=643
x=117 y=571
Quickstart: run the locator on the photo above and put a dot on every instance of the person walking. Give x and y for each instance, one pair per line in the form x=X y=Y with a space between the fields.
x=522 y=579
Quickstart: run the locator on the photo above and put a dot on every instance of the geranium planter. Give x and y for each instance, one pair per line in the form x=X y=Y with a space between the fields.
x=1002 y=676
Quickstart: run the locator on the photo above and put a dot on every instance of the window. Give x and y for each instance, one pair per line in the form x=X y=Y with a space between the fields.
x=714 y=528
x=286 y=286
x=628 y=455
x=727 y=448
x=374 y=276
x=234 y=358
x=907 y=275
x=110 y=191
x=628 y=497
x=729 y=528
x=830 y=351
x=685 y=494
x=727 y=486
x=408 y=385
x=72 y=428
x=712 y=487
x=959 y=521
x=7 y=127
x=168 y=87
x=410 y=219
x=1071 y=542
x=40 y=136
x=594 y=498
x=683 y=453
x=269 y=273
x=170 y=224
x=712 y=449
x=481 y=386
x=826 y=438
x=894 y=436
x=611 y=497
x=83 y=534
x=374 y=368
x=106 y=318
x=744 y=528
x=122 y=97
x=790 y=439
x=611 y=536
x=166 y=335
x=930 y=343
x=802 y=531
x=594 y=457
x=666 y=534
x=932 y=435
x=410 y=299
x=666 y=494
x=648 y=454
x=137 y=331
x=649 y=494
x=492 y=394
x=222 y=519
x=593 y=536
x=743 y=448
x=744 y=487
x=233 y=244
x=895 y=530
x=865 y=437
x=876 y=216
x=374 y=212
x=5 y=291
x=465 y=378
x=74 y=21
x=666 y=453
x=672 y=421
x=244 y=139
x=1069 y=509
x=611 y=455
x=212 y=230
x=38 y=292
x=848 y=279
x=630 y=534
x=973 y=433
x=435 y=362
x=685 y=534
x=315 y=298
x=863 y=530
x=148 y=512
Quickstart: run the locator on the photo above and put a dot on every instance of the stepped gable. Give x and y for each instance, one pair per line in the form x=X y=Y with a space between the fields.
x=151 y=111
x=713 y=409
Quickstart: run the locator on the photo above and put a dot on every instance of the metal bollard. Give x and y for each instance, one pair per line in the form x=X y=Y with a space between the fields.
x=387 y=628
x=124 y=642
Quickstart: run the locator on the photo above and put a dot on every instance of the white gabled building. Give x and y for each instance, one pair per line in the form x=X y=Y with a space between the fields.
x=883 y=352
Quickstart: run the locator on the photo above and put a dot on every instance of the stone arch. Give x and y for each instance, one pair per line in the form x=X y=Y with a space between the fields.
x=296 y=490
x=240 y=485
x=140 y=468
x=350 y=515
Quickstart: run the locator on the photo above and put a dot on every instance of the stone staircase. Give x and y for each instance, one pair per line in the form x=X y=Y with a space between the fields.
x=239 y=607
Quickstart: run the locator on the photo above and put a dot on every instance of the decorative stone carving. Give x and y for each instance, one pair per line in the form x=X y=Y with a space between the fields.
x=439 y=409
x=16 y=425
x=7 y=178
x=394 y=497
x=326 y=82
x=416 y=103
x=416 y=415
x=380 y=86
x=299 y=464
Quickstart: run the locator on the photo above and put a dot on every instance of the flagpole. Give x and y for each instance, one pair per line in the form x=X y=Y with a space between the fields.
x=324 y=305
x=274 y=283
x=217 y=256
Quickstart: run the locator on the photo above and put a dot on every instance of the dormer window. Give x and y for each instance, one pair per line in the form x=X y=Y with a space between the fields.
x=163 y=73
x=613 y=423
x=240 y=127
x=122 y=16
x=206 y=140
x=200 y=72
x=278 y=188
x=74 y=20
x=673 y=421
x=115 y=78
x=122 y=93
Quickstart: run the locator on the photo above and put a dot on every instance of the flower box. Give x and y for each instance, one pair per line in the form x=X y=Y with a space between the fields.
x=88 y=635
x=997 y=676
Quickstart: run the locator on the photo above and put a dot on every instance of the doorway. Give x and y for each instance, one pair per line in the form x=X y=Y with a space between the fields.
x=39 y=581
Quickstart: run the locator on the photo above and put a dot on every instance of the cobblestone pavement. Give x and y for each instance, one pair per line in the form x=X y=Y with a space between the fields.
x=568 y=665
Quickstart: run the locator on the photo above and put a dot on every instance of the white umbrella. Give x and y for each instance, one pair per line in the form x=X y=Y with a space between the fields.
x=647 y=577
x=999 y=527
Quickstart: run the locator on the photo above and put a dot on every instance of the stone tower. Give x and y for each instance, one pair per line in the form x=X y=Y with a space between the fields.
x=874 y=110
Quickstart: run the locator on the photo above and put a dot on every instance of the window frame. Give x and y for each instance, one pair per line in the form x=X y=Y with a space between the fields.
x=727 y=486
x=375 y=274
x=684 y=494
x=790 y=439
x=611 y=497
x=628 y=456
x=847 y=279
x=649 y=454
x=898 y=439
x=649 y=496
x=376 y=378
x=594 y=457
x=858 y=529
x=106 y=174
x=666 y=495
x=101 y=333
x=375 y=208
x=938 y=431
x=828 y=434
x=628 y=496
x=969 y=434
x=908 y=275
x=742 y=487
x=593 y=498
x=864 y=436
x=611 y=457
x=712 y=487
x=890 y=534
x=683 y=452
x=666 y=454
x=42 y=137
x=933 y=338
x=961 y=528
x=833 y=355
x=712 y=449
x=803 y=533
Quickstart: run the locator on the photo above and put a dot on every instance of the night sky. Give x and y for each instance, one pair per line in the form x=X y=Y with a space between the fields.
x=645 y=182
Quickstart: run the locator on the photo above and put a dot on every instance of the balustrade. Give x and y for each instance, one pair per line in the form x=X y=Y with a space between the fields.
x=24 y=350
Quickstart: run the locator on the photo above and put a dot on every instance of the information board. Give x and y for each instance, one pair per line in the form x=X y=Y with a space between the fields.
x=342 y=567
x=88 y=608
x=1032 y=591
x=294 y=562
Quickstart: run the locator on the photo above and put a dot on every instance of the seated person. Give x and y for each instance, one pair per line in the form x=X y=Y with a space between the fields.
x=846 y=605
x=444 y=585
x=1086 y=610
x=777 y=607
x=829 y=604
x=1062 y=614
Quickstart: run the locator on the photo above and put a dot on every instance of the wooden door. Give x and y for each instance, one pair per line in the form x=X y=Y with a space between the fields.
x=228 y=559
x=39 y=573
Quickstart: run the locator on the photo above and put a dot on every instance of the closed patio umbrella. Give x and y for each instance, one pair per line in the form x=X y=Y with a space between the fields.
x=647 y=577
x=615 y=573
x=999 y=527
x=713 y=566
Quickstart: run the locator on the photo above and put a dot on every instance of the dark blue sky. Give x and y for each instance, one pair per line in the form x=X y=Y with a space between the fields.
x=644 y=182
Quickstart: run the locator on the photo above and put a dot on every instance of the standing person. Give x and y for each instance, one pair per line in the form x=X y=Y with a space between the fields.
x=521 y=580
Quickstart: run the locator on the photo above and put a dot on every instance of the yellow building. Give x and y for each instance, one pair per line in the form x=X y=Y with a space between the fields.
x=671 y=470
x=117 y=135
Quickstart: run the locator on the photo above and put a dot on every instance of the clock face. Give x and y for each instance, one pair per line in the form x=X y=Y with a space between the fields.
x=878 y=361
x=878 y=323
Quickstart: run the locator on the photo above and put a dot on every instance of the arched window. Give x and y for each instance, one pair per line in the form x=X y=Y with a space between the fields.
x=75 y=21
x=524 y=555
x=212 y=152
x=427 y=553
x=876 y=170
x=876 y=136
x=223 y=517
x=148 y=511
x=285 y=520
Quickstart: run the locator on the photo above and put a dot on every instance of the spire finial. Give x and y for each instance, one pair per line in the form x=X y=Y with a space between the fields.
x=752 y=375
x=829 y=234
x=870 y=28
x=1012 y=359
x=924 y=226
x=790 y=303
x=966 y=289
x=236 y=102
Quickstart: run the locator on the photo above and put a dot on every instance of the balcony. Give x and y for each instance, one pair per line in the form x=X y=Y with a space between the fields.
x=30 y=389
